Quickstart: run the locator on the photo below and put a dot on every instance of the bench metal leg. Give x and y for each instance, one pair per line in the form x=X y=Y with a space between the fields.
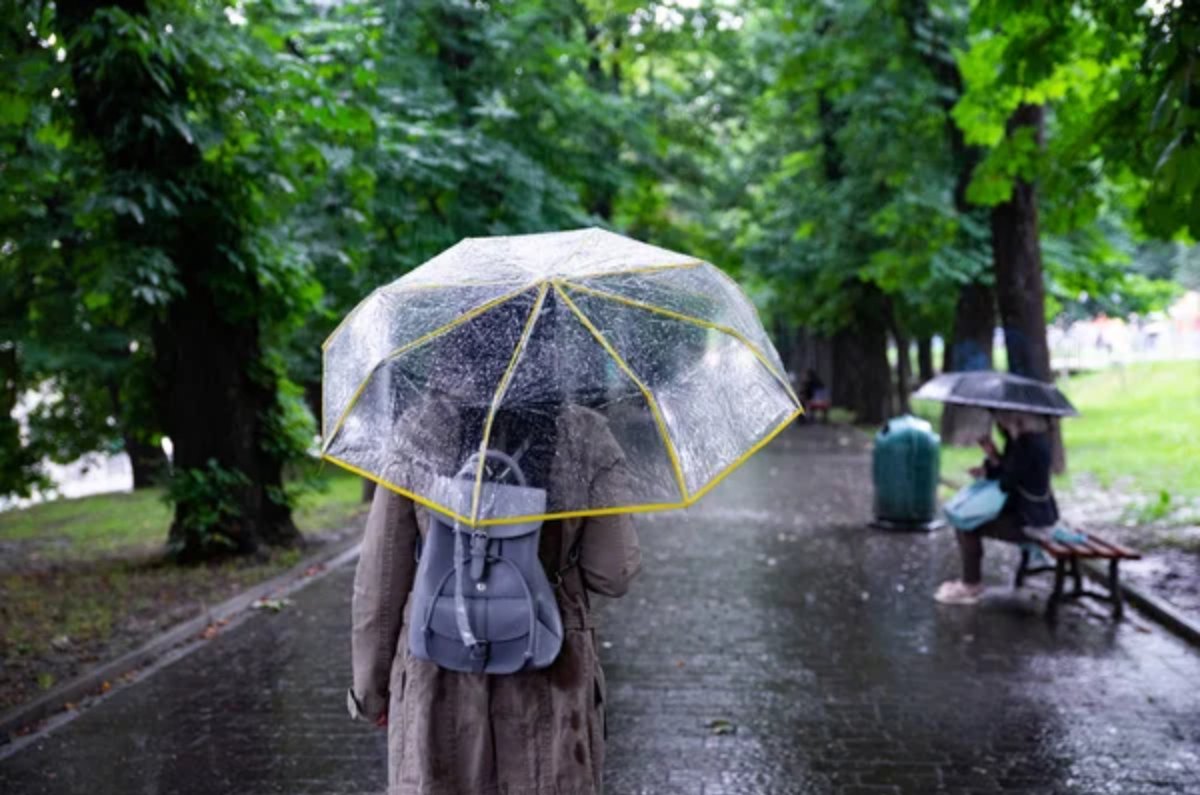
x=1076 y=577
x=1019 y=580
x=1114 y=588
x=1060 y=575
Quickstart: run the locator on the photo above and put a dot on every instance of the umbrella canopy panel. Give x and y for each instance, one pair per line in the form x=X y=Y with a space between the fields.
x=996 y=390
x=659 y=356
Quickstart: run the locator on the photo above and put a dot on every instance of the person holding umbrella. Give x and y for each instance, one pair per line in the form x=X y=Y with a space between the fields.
x=535 y=387
x=1020 y=408
x=1023 y=473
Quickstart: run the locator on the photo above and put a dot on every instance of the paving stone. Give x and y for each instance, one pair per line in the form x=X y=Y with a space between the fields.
x=769 y=605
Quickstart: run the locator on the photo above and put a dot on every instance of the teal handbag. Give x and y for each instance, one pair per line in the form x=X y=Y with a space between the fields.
x=974 y=505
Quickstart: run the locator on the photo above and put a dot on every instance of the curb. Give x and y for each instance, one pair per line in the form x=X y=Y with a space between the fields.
x=1159 y=609
x=20 y=723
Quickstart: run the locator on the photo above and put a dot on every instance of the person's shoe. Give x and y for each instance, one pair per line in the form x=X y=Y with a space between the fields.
x=957 y=592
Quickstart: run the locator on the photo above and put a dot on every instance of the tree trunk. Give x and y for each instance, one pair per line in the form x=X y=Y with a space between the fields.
x=970 y=345
x=1020 y=288
x=807 y=351
x=903 y=373
x=862 y=375
x=18 y=464
x=969 y=348
x=924 y=359
x=218 y=393
x=312 y=399
x=148 y=461
x=903 y=358
x=215 y=412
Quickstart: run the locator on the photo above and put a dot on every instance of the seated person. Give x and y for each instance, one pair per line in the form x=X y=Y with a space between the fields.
x=813 y=395
x=1023 y=470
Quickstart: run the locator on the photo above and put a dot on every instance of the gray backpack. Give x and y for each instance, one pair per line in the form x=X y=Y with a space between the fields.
x=481 y=600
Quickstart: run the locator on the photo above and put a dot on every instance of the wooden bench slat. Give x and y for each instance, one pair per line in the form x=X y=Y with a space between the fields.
x=1096 y=550
x=1091 y=547
x=1054 y=549
x=1062 y=552
x=1118 y=550
x=1079 y=549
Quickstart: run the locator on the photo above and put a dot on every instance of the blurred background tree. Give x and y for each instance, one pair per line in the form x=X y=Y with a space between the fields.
x=195 y=193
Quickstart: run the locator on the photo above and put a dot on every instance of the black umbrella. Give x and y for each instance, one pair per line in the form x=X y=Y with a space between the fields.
x=992 y=390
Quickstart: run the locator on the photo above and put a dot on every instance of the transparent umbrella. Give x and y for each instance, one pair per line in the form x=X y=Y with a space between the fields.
x=491 y=343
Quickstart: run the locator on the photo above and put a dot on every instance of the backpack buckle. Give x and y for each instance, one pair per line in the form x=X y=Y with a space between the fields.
x=479 y=542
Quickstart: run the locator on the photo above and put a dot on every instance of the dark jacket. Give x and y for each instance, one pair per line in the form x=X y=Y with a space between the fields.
x=1024 y=474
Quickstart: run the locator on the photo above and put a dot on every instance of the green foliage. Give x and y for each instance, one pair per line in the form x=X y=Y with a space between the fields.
x=1151 y=511
x=841 y=202
x=286 y=158
x=1090 y=273
x=214 y=496
x=1118 y=78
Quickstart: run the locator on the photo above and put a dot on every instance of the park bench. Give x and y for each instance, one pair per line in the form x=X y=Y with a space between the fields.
x=1066 y=557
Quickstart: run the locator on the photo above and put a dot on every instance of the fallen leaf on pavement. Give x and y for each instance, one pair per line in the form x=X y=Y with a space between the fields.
x=720 y=726
x=274 y=605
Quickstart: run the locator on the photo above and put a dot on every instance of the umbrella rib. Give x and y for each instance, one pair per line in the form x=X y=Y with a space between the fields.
x=672 y=453
x=387 y=484
x=437 y=332
x=696 y=321
x=498 y=398
x=649 y=507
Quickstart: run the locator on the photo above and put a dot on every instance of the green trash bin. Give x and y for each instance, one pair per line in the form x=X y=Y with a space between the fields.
x=905 y=468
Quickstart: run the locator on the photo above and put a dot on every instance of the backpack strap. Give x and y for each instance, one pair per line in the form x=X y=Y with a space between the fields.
x=571 y=561
x=479 y=648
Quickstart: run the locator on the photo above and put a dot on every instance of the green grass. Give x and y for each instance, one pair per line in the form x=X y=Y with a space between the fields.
x=338 y=501
x=1140 y=422
x=106 y=524
x=101 y=523
x=1139 y=428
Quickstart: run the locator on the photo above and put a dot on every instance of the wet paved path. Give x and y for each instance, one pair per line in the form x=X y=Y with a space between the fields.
x=769 y=607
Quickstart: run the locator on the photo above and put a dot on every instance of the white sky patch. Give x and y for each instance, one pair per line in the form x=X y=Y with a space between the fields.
x=668 y=15
x=235 y=16
x=1158 y=8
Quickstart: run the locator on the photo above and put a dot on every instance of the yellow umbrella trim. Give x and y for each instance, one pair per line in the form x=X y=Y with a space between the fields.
x=646 y=393
x=686 y=499
x=695 y=321
x=498 y=398
x=494 y=283
x=437 y=332
x=546 y=517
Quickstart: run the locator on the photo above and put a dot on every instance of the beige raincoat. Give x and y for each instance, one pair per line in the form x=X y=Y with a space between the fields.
x=531 y=733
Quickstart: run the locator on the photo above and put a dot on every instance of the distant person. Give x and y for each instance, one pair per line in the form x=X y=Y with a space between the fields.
x=813 y=395
x=1023 y=471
